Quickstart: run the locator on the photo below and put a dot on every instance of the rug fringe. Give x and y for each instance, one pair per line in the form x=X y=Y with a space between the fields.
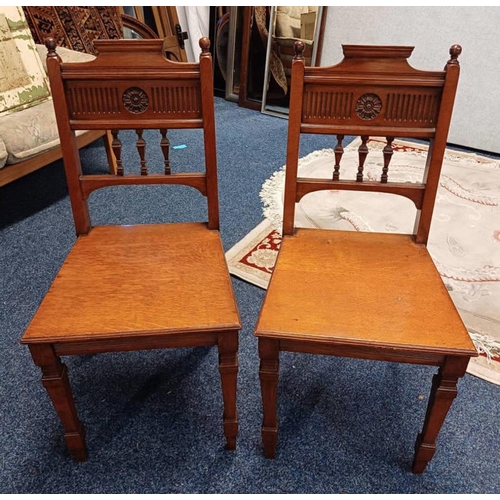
x=486 y=345
x=272 y=209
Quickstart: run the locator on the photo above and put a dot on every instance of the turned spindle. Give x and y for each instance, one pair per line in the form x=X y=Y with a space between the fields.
x=141 y=148
x=388 y=152
x=339 y=151
x=116 y=146
x=362 y=153
x=165 y=148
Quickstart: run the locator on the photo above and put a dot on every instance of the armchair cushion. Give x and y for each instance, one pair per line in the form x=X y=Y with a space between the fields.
x=29 y=132
x=3 y=154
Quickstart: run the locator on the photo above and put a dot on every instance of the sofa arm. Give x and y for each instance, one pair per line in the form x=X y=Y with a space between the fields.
x=66 y=55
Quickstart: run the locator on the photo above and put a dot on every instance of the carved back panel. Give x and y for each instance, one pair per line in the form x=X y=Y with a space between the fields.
x=410 y=107
x=131 y=85
x=372 y=92
x=131 y=81
x=125 y=100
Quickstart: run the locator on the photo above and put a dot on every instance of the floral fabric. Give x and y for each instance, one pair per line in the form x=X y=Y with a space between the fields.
x=32 y=131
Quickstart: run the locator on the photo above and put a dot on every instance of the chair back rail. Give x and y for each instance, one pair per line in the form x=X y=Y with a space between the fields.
x=373 y=91
x=131 y=85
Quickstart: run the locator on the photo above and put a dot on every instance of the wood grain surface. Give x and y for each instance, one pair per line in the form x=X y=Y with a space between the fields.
x=361 y=288
x=130 y=280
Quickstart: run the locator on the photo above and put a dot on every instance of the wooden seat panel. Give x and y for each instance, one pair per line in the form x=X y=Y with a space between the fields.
x=361 y=288
x=143 y=279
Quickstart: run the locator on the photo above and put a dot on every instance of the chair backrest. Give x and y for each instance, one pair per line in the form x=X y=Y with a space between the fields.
x=131 y=85
x=373 y=91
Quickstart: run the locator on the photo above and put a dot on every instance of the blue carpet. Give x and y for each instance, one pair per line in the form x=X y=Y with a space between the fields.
x=154 y=419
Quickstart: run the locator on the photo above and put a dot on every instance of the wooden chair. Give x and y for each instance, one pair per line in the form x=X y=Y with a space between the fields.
x=365 y=295
x=152 y=286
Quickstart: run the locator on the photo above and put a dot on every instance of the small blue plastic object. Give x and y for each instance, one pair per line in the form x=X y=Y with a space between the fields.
x=180 y=146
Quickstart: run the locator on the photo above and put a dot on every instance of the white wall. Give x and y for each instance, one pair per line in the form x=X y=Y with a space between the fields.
x=432 y=30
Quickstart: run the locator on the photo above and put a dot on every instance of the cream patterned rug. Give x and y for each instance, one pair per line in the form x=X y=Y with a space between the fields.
x=464 y=240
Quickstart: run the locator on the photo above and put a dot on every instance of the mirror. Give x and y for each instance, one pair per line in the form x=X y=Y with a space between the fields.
x=286 y=26
x=234 y=53
x=219 y=35
x=253 y=55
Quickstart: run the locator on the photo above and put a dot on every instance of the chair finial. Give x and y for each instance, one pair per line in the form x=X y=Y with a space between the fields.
x=455 y=51
x=299 y=49
x=204 y=44
x=51 y=45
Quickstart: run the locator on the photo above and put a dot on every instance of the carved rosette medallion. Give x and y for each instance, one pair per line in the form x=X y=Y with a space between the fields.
x=368 y=106
x=135 y=100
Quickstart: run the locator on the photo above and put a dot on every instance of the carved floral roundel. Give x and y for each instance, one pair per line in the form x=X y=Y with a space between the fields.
x=368 y=106
x=135 y=100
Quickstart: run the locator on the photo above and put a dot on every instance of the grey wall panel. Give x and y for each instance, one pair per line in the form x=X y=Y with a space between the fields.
x=432 y=30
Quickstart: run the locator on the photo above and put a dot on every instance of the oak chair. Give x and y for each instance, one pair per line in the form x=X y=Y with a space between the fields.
x=365 y=295
x=149 y=286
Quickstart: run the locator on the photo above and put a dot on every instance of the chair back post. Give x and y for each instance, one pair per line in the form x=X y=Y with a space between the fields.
x=132 y=86
x=207 y=103
x=372 y=92
x=71 y=157
x=438 y=146
x=293 y=145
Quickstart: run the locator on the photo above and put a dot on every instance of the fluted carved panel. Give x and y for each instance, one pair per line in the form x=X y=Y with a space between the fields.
x=94 y=101
x=412 y=108
x=324 y=104
x=176 y=100
x=357 y=105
